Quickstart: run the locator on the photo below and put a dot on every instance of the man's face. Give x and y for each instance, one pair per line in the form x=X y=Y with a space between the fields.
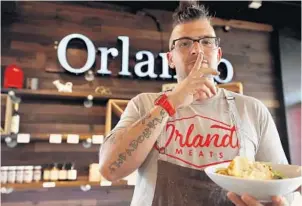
x=183 y=54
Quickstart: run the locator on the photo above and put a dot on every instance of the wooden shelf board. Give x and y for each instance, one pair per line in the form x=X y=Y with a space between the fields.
x=53 y=94
x=45 y=136
x=63 y=184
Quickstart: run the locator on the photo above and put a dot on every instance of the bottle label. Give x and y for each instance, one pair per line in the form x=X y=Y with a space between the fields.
x=72 y=174
x=37 y=176
x=15 y=124
x=63 y=175
x=3 y=177
x=19 y=176
x=46 y=175
x=54 y=175
x=28 y=176
x=11 y=177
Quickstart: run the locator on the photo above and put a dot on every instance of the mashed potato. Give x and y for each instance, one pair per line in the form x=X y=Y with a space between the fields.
x=244 y=168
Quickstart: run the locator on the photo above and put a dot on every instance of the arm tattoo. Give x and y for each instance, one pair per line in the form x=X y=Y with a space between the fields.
x=146 y=118
x=150 y=126
x=109 y=137
x=112 y=140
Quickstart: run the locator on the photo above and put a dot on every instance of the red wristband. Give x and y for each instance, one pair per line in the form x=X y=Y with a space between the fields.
x=163 y=101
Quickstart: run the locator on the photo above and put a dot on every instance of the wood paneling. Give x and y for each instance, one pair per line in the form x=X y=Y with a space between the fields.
x=68 y=197
x=30 y=40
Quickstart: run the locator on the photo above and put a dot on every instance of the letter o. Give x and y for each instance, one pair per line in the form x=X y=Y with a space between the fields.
x=230 y=72
x=62 y=53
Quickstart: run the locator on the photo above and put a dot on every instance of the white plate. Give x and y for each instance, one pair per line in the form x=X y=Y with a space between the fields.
x=260 y=189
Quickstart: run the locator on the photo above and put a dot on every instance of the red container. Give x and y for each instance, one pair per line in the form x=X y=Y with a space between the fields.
x=13 y=77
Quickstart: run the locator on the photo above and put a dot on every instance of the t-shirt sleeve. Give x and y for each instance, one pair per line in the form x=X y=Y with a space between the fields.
x=129 y=116
x=270 y=148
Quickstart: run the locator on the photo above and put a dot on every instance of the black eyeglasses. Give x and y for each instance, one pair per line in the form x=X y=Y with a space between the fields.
x=186 y=43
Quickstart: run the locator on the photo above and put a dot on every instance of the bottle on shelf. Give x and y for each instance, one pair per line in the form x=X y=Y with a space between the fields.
x=54 y=172
x=94 y=173
x=60 y=166
x=71 y=172
x=4 y=173
x=46 y=172
x=11 y=175
x=28 y=174
x=63 y=174
x=15 y=121
x=20 y=174
x=37 y=173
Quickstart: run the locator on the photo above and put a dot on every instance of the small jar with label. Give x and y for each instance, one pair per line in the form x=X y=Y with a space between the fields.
x=20 y=174
x=62 y=172
x=37 y=173
x=54 y=172
x=4 y=173
x=28 y=174
x=11 y=175
x=94 y=173
x=46 y=172
x=72 y=173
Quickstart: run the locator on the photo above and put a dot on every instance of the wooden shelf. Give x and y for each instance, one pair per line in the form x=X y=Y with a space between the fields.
x=81 y=181
x=45 y=136
x=53 y=94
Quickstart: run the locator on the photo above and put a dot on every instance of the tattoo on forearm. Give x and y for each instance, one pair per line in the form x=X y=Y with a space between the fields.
x=146 y=118
x=110 y=138
x=134 y=144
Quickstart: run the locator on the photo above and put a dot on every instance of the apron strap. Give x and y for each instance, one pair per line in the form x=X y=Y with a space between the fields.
x=235 y=118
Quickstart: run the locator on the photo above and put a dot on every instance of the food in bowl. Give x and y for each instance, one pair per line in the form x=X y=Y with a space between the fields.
x=245 y=168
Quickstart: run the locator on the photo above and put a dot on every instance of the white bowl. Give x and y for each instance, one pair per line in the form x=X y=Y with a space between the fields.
x=260 y=189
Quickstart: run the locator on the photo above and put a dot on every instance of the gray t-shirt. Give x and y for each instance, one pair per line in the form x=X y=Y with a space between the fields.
x=203 y=134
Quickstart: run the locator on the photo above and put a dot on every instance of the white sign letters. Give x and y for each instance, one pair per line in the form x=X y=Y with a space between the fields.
x=62 y=53
x=104 y=52
x=230 y=72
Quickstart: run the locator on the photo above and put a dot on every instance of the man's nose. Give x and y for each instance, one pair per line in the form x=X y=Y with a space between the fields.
x=196 y=48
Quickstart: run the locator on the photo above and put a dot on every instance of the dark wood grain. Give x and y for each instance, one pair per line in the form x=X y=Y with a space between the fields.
x=97 y=196
x=60 y=128
x=52 y=94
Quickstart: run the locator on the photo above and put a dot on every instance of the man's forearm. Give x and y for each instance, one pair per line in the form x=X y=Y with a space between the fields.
x=125 y=150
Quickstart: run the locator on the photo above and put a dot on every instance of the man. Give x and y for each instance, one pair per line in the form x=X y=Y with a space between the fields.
x=171 y=137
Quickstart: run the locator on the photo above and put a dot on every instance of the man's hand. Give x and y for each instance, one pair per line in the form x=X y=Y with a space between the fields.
x=246 y=200
x=189 y=89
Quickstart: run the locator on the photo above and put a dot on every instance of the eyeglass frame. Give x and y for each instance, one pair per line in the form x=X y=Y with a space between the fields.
x=195 y=40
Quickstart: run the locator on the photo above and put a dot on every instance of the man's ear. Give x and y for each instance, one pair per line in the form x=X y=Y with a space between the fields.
x=219 y=54
x=170 y=60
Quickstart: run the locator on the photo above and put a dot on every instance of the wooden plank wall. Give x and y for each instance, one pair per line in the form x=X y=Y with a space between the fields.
x=29 y=42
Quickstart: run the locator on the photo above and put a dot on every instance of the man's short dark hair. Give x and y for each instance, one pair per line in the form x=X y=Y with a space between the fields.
x=189 y=11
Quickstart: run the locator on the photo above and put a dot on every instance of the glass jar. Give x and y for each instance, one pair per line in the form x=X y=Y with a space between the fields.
x=28 y=174
x=4 y=173
x=37 y=173
x=11 y=175
x=19 y=174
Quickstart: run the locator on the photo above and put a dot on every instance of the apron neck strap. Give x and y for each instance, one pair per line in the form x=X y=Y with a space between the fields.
x=236 y=120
